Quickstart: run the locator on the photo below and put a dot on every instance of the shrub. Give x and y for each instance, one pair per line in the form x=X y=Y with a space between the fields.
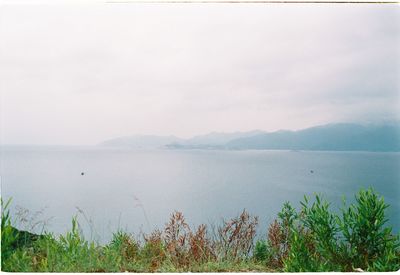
x=300 y=257
x=280 y=234
x=276 y=248
x=261 y=252
x=312 y=239
x=367 y=242
x=324 y=241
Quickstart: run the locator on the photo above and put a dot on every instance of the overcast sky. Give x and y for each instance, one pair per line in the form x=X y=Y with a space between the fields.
x=83 y=74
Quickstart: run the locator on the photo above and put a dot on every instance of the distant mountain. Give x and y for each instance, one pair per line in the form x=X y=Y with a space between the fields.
x=331 y=137
x=215 y=139
x=141 y=141
x=210 y=141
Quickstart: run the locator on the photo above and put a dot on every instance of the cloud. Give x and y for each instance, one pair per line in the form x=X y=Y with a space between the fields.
x=81 y=74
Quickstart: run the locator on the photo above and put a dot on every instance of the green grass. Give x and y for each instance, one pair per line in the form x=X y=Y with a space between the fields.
x=312 y=238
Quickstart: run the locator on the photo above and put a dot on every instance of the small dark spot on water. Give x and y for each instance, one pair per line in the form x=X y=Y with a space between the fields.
x=311 y=171
x=82 y=173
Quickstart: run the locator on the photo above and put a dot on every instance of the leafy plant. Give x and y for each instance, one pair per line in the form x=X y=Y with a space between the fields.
x=125 y=245
x=368 y=243
x=315 y=238
x=324 y=241
x=279 y=235
x=261 y=252
x=8 y=235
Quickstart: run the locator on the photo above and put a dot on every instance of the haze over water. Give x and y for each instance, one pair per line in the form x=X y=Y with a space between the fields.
x=137 y=190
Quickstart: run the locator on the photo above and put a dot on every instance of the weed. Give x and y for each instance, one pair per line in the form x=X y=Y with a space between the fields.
x=153 y=252
x=126 y=245
x=312 y=239
x=176 y=237
x=236 y=236
x=201 y=248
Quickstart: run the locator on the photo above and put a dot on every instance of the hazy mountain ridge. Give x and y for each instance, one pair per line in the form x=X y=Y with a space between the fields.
x=141 y=141
x=215 y=138
x=330 y=137
x=208 y=141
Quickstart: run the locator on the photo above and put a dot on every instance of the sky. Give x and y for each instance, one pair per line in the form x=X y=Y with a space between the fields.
x=81 y=74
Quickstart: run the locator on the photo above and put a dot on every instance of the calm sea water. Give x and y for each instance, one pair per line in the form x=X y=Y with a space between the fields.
x=136 y=190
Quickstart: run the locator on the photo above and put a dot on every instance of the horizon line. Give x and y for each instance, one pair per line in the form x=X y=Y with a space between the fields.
x=207 y=133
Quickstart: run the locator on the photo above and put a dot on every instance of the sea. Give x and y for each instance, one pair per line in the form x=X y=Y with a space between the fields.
x=111 y=189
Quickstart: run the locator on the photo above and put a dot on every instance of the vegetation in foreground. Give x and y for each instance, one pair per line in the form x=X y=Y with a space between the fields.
x=310 y=239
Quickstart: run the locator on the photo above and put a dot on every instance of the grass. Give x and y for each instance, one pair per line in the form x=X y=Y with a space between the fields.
x=310 y=239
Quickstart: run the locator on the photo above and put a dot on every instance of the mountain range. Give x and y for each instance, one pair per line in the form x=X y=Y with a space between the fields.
x=330 y=137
